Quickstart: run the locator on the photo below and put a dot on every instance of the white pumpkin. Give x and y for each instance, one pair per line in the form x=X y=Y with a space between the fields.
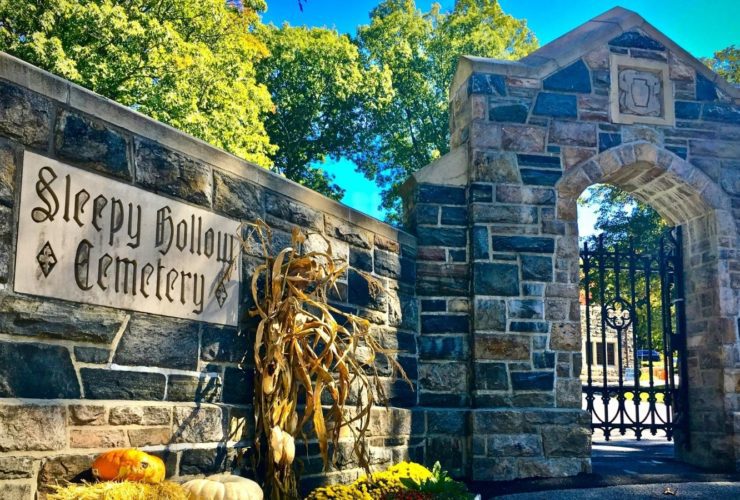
x=223 y=487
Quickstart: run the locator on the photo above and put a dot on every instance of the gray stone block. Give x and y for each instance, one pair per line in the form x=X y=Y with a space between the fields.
x=688 y=110
x=549 y=467
x=209 y=461
x=565 y=336
x=286 y=209
x=426 y=214
x=539 y=177
x=481 y=193
x=441 y=195
x=61 y=468
x=140 y=415
x=38 y=371
x=26 y=427
x=16 y=467
x=118 y=384
x=444 y=323
x=504 y=214
x=7 y=174
x=514 y=445
x=529 y=326
x=533 y=399
x=363 y=294
x=526 y=309
x=502 y=347
x=572 y=134
x=495 y=279
x=24 y=116
x=343 y=230
x=58 y=320
x=237 y=197
x=494 y=469
x=86 y=414
x=449 y=450
x=204 y=389
x=443 y=377
x=454 y=216
x=524 y=139
x=556 y=105
x=223 y=343
x=16 y=491
x=490 y=314
x=532 y=381
x=6 y=245
x=387 y=264
x=361 y=259
x=167 y=171
x=92 y=144
x=494 y=166
x=724 y=113
x=536 y=268
x=635 y=39
x=238 y=386
x=91 y=354
x=197 y=424
x=446 y=422
x=491 y=377
x=483 y=83
x=545 y=360
x=705 y=89
x=566 y=441
x=573 y=78
x=156 y=341
x=444 y=237
x=480 y=242
x=523 y=244
x=515 y=112
x=539 y=161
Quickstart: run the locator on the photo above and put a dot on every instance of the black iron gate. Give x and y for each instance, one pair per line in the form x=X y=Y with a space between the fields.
x=635 y=374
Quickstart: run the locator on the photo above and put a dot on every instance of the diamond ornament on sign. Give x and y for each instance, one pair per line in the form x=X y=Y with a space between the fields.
x=221 y=295
x=46 y=259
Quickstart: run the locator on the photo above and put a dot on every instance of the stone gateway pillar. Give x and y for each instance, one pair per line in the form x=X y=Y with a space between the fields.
x=613 y=101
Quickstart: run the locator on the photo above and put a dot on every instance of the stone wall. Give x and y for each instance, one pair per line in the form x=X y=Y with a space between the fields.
x=482 y=303
x=604 y=333
x=614 y=101
x=76 y=379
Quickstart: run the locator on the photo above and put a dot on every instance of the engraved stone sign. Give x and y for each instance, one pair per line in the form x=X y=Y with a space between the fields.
x=86 y=238
x=639 y=91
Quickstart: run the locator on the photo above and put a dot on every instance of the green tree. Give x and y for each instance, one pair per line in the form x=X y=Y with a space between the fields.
x=621 y=217
x=628 y=226
x=188 y=63
x=322 y=94
x=726 y=63
x=421 y=50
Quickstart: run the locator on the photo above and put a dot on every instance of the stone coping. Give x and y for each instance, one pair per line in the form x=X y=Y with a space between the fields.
x=564 y=50
x=76 y=97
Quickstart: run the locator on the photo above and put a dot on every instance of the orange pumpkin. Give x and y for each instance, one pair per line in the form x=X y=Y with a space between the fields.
x=128 y=464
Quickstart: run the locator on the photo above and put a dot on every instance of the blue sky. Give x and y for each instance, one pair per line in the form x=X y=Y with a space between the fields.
x=700 y=27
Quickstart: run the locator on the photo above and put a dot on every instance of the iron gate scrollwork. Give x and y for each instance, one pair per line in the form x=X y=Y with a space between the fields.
x=635 y=373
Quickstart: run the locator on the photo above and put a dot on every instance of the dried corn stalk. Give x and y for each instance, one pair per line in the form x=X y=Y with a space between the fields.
x=307 y=351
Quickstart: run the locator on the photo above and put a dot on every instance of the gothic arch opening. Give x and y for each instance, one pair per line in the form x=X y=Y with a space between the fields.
x=684 y=197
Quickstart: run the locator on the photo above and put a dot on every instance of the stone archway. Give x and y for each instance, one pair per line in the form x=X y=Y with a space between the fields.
x=498 y=268
x=685 y=196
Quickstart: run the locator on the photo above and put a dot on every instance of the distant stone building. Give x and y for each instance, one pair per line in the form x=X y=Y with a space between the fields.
x=602 y=333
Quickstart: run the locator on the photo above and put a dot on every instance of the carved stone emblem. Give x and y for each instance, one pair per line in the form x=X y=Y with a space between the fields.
x=640 y=93
x=46 y=259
